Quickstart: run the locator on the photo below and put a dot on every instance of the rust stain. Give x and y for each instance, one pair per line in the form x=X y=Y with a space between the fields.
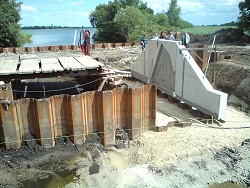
x=73 y=118
x=99 y=111
x=15 y=125
x=65 y=107
x=54 y=116
x=51 y=127
x=82 y=116
x=34 y=115
x=86 y=113
x=40 y=129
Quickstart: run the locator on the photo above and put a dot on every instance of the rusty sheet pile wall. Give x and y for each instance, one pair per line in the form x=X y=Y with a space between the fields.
x=20 y=50
x=77 y=116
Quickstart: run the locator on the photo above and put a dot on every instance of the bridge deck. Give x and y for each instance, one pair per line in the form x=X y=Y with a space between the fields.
x=48 y=67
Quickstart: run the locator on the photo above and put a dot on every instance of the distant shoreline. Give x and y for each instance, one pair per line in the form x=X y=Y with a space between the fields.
x=55 y=27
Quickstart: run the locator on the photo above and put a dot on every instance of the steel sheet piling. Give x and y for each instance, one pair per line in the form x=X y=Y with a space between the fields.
x=78 y=116
x=45 y=123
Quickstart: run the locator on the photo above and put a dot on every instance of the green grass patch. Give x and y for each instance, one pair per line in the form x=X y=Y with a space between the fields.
x=203 y=30
x=25 y=37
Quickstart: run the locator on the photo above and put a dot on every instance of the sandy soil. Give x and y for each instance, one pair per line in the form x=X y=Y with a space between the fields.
x=194 y=156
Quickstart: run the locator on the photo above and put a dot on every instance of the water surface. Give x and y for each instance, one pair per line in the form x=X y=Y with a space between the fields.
x=53 y=37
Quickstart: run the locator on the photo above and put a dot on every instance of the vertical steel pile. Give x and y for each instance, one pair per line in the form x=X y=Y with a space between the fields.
x=77 y=116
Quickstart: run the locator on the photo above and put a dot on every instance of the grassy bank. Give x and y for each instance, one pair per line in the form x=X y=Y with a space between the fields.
x=25 y=37
x=203 y=30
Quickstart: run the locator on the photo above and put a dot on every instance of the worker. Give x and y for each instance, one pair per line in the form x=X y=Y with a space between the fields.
x=87 y=46
x=156 y=36
x=185 y=39
x=143 y=42
x=170 y=36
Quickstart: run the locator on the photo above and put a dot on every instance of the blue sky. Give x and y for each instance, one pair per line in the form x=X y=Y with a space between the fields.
x=76 y=12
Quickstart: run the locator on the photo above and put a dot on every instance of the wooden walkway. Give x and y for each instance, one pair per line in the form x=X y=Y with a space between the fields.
x=48 y=67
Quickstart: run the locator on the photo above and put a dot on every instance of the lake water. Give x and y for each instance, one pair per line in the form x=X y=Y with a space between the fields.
x=53 y=37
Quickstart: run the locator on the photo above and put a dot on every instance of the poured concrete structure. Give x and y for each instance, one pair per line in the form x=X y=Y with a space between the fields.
x=171 y=67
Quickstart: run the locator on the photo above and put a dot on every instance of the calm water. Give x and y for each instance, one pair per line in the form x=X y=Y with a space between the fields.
x=51 y=37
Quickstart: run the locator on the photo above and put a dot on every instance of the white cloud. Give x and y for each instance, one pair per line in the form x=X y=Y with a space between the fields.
x=83 y=14
x=77 y=3
x=28 y=8
x=201 y=11
x=190 y=5
x=158 y=5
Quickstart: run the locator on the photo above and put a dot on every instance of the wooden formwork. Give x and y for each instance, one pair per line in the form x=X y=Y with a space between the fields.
x=77 y=116
x=200 y=55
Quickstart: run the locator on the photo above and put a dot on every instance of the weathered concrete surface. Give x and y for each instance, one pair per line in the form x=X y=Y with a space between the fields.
x=172 y=68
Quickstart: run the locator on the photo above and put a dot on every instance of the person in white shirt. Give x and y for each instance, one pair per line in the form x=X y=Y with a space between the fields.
x=170 y=36
x=185 y=39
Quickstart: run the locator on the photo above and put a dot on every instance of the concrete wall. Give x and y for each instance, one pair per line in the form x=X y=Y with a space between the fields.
x=78 y=116
x=173 y=69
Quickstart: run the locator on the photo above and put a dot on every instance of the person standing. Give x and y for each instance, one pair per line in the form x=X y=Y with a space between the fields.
x=185 y=39
x=156 y=36
x=171 y=36
x=87 y=45
x=143 y=42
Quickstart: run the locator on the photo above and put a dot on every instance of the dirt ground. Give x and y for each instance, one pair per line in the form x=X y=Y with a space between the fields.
x=193 y=156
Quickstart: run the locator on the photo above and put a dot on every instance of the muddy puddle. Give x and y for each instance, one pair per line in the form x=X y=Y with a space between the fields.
x=226 y=185
x=59 y=182
x=114 y=158
x=117 y=161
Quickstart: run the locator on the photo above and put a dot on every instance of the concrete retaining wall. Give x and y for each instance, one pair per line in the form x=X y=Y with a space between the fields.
x=170 y=65
x=78 y=116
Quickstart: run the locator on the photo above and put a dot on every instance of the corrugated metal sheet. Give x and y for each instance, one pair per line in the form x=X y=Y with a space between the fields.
x=78 y=116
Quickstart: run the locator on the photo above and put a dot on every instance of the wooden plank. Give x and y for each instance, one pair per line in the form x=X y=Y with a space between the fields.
x=8 y=67
x=29 y=66
x=88 y=62
x=69 y=63
x=49 y=65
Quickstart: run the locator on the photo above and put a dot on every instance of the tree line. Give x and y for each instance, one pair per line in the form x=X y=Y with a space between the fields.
x=127 y=20
x=117 y=21
x=50 y=27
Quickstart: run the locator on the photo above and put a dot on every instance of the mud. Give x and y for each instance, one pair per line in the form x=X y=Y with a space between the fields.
x=34 y=166
x=198 y=171
x=231 y=36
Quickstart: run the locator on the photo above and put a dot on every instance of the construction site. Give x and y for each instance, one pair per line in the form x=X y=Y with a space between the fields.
x=166 y=116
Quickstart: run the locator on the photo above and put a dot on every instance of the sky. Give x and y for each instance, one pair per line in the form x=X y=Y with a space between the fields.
x=76 y=12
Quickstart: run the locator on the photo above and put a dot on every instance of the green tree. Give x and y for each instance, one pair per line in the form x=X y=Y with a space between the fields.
x=137 y=4
x=113 y=31
x=127 y=20
x=131 y=23
x=162 y=20
x=102 y=18
x=104 y=13
x=10 y=30
x=185 y=24
x=244 y=18
x=173 y=14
